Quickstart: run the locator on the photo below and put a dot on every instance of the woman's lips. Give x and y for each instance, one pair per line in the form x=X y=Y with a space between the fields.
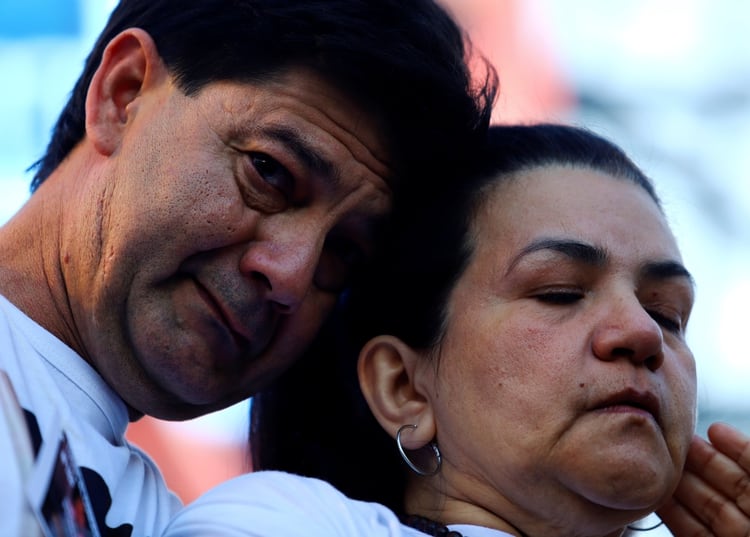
x=630 y=400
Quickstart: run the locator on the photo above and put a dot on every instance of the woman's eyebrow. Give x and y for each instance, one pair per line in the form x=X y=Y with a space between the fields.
x=663 y=270
x=576 y=250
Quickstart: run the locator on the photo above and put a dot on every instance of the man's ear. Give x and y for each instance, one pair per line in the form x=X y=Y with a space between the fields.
x=388 y=370
x=130 y=65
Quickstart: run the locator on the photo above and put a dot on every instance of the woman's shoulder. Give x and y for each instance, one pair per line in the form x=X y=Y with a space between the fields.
x=271 y=503
x=271 y=482
x=266 y=491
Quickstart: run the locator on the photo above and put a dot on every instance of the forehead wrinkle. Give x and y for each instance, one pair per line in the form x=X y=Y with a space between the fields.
x=385 y=170
x=576 y=250
x=292 y=138
x=304 y=152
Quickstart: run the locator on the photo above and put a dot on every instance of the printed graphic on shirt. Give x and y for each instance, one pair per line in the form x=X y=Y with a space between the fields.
x=58 y=493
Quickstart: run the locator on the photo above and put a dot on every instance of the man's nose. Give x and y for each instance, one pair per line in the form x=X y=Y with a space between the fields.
x=284 y=265
x=627 y=330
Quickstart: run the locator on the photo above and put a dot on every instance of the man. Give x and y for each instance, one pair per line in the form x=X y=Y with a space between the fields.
x=214 y=181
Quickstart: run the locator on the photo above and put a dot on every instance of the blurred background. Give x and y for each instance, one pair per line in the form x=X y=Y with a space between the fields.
x=669 y=80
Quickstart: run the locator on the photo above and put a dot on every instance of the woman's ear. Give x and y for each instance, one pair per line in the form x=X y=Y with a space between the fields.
x=388 y=370
x=129 y=66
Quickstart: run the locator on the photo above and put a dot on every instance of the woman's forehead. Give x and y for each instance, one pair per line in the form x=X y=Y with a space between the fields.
x=570 y=201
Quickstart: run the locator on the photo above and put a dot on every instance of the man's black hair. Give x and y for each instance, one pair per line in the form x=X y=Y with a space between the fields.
x=403 y=61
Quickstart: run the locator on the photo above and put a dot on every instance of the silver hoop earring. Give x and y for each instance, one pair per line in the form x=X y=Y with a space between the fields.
x=636 y=528
x=417 y=470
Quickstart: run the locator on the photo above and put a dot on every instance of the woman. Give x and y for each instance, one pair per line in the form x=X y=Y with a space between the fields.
x=525 y=346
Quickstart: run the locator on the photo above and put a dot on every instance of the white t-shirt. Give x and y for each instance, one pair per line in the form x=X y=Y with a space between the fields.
x=277 y=504
x=61 y=395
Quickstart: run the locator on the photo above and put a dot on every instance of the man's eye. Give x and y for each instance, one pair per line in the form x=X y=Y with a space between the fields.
x=273 y=173
x=340 y=261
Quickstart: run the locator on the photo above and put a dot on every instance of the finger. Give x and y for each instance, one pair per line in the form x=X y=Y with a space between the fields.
x=724 y=464
x=702 y=508
x=732 y=443
x=680 y=520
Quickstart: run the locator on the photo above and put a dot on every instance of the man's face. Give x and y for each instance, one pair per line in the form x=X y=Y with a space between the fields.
x=228 y=224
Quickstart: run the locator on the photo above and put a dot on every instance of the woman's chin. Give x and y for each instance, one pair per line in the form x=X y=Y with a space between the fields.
x=637 y=488
x=641 y=498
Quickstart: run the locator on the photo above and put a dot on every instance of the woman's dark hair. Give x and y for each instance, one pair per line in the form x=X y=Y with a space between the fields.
x=401 y=60
x=314 y=420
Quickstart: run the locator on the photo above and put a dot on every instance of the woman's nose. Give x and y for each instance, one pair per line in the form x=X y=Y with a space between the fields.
x=626 y=330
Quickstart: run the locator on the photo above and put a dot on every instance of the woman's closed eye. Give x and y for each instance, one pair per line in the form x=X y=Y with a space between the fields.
x=668 y=321
x=559 y=297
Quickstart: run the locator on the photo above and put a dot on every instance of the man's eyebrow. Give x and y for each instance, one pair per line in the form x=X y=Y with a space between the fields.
x=303 y=151
x=575 y=250
x=662 y=270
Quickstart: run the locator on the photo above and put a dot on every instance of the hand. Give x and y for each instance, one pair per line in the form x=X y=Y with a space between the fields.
x=713 y=497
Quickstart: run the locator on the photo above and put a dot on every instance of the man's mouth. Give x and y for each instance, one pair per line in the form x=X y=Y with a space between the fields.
x=238 y=331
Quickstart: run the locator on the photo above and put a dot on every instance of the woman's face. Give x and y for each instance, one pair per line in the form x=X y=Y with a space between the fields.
x=565 y=386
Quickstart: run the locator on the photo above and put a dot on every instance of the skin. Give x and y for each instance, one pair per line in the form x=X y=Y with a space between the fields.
x=562 y=395
x=713 y=497
x=192 y=246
